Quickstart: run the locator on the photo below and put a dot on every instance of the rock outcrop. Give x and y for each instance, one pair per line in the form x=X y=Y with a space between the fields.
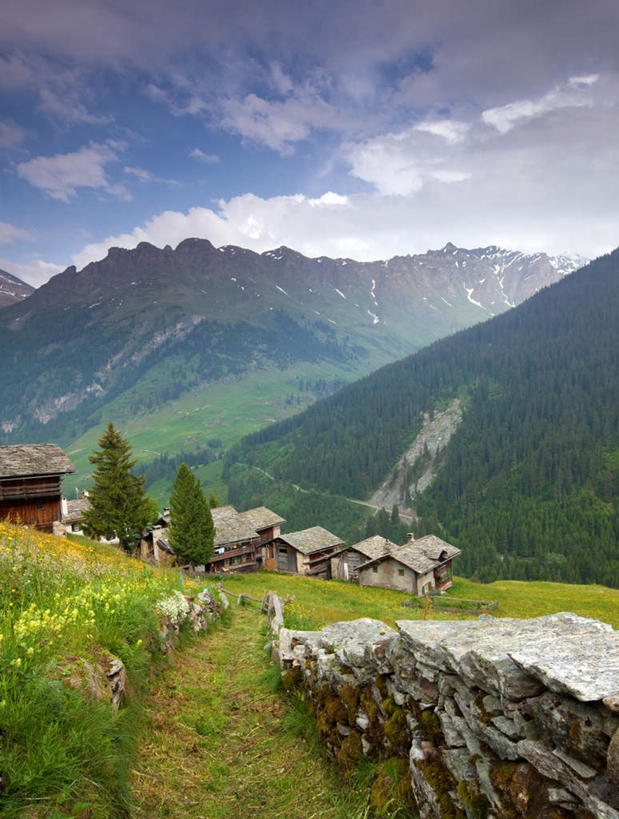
x=496 y=717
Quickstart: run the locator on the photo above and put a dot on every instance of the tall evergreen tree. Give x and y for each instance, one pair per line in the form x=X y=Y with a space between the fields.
x=192 y=531
x=119 y=504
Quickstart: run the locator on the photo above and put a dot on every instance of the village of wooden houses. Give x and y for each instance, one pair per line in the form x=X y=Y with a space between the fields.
x=252 y=540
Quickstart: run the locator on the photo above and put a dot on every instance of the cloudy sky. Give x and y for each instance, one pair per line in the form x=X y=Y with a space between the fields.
x=361 y=128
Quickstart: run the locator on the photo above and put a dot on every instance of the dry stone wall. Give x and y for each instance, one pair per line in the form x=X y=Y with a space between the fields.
x=495 y=717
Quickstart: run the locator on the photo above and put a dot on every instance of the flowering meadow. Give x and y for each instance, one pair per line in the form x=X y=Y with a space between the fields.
x=67 y=608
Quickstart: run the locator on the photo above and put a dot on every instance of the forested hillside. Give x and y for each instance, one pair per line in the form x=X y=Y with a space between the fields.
x=528 y=485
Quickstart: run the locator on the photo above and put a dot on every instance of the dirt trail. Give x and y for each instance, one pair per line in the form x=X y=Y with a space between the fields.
x=214 y=744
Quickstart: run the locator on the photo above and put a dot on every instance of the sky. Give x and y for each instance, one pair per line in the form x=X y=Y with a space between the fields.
x=361 y=128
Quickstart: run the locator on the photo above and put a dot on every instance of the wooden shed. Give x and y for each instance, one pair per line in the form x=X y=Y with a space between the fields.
x=31 y=483
x=306 y=552
x=345 y=563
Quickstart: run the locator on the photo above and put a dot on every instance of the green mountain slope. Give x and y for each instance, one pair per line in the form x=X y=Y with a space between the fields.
x=528 y=484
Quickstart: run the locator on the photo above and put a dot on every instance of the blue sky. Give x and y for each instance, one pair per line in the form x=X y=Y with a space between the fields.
x=361 y=129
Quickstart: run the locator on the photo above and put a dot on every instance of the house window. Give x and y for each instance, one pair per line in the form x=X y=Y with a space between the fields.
x=401 y=572
x=374 y=568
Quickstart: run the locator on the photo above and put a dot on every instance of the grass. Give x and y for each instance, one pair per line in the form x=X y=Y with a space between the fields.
x=221 y=741
x=318 y=602
x=66 y=608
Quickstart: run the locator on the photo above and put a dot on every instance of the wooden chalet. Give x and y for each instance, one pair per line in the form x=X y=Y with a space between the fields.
x=237 y=544
x=31 y=483
x=345 y=563
x=417 y=567
x=306 y=552
x=267 y=524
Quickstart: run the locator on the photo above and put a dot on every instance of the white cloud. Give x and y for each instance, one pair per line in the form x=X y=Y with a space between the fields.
x=66 y=107
x=61 y=175
x=10 y=233
x=401 y=163
x=278 y=124
x=208 y=159
x=570 y=95
x=329 y=200
x=35 y=272
x=450 y=130
x=140 y=173
x=11 y=135
x=588 y=79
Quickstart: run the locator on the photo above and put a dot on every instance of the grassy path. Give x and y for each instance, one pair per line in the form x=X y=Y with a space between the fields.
x=218 y=740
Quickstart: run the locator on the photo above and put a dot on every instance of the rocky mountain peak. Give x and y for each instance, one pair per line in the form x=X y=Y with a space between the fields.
x=12 y=289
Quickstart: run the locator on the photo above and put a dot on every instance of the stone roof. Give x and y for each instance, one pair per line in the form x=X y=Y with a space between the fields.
x=421 y=555
x=371 y=547
x=161 y=536
x=76 y=509
x=315 y=539
x=24 y=460
x=261 y=518
x=231 y=527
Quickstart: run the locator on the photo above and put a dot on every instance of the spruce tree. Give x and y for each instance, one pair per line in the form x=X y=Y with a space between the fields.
x=119 y=504
x=192 y=531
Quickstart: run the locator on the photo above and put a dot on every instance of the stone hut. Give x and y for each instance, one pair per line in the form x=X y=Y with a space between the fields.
x=345 y=563
x=31 y=483
x=417 y=567
x=306 y=552
x=73 y=514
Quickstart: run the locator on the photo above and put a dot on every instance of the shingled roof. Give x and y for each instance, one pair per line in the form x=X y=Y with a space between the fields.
x=421 y=555
x=76 y=509
x=262 y=518
x=371 y=547
x=315 y=539
x=27 y=460
x=231 y=527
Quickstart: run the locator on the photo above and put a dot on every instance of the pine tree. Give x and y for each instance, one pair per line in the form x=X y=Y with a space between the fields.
x=119 y=505
x=192 y=531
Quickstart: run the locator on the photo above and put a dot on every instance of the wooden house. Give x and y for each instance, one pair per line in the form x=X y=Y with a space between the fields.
x=31 y=483
x=345 y=563
x=237 y=544
x=417 y=567
x=306 y=552
x=267 y=524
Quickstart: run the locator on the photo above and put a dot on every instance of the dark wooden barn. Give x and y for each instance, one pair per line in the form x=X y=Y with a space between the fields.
x=30 y=483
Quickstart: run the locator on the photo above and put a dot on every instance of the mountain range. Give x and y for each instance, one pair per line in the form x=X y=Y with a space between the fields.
x=150 y=324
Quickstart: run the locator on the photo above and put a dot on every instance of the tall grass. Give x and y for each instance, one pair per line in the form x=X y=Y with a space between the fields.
x=66 y=609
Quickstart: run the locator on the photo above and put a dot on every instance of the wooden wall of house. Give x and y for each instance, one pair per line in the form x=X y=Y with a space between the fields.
x=30 y=488
x=345 y=566
x=40 y=513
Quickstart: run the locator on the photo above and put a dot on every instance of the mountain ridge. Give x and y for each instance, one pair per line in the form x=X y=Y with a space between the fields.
x=193 y=314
